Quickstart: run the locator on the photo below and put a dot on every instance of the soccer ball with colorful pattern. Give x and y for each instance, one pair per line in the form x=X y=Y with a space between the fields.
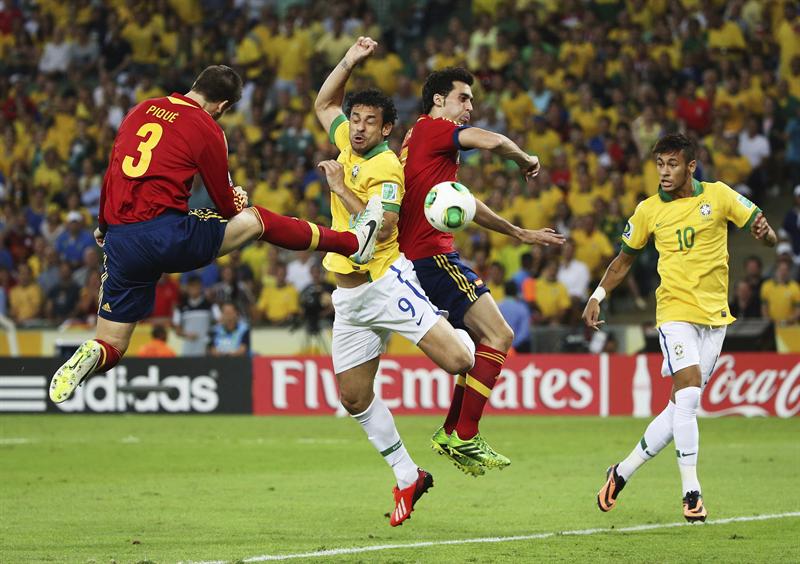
x=449 y=206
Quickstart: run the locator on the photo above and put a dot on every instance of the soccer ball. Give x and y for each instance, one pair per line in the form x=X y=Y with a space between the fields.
x=449 y=206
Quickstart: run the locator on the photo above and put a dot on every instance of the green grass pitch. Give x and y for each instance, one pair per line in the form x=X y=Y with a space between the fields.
x=196 y=488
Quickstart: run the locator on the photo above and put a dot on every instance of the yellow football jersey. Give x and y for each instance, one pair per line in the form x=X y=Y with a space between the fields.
x=691 y=236
x=378 y=173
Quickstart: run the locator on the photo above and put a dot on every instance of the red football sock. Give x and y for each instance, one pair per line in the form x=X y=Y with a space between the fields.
x=110 y=358
x=300 y=235
x=455 y=404
x=480 y=381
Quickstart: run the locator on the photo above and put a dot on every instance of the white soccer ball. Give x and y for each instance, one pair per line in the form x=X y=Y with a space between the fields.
x=449 y=206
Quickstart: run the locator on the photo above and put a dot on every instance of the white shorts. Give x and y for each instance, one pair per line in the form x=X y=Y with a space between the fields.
x=687 y=344
x=367 y=314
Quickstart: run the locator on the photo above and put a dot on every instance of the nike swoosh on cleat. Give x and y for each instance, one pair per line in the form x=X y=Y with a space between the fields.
x=372 y=224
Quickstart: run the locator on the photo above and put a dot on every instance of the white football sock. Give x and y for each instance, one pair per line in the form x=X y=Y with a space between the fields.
x=378 y=423
x=687 y=436
x=657 y=435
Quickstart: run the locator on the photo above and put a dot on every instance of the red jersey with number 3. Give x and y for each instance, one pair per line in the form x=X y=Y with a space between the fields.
x=160 y=146
x=429 y=156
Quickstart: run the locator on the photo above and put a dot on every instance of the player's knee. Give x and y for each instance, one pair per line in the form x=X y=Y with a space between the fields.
x=501 y=338
x=354 y=401
x=461 y=361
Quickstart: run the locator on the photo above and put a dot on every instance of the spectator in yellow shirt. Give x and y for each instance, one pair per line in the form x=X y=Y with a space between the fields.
x=780 y=298
x=552 y=298
x=582 y=196
x=517 y=106
x=280 y=303
x=592 y=247
x=49 y=174
x=25 y=299
x=733 y=166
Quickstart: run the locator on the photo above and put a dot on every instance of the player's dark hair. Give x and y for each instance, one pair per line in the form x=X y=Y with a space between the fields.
x=675 y=143
x=373 y=98
x=159 y=332
x=218 y=83
x=441 y=82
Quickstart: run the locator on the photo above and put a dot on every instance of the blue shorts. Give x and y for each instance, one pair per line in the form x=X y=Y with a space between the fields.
x=137 y=254
x=450 y=285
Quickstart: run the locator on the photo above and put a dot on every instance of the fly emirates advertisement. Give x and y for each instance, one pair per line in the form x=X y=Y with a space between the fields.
x=749 y=384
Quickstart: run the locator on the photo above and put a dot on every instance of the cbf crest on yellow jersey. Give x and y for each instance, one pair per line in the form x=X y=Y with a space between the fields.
x=378 y=172
x=691 y=236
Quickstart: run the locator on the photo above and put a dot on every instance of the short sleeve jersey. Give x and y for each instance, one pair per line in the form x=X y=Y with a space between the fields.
x=691 y=236
x=429 y=156
x=377 y=173
x=160 y=146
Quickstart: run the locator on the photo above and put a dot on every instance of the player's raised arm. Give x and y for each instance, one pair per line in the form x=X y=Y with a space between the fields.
x=477 y=138
x=328 y=105
x=613 y=277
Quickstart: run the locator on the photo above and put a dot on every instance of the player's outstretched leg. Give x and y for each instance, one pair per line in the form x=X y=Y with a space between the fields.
x=657 y=435
x=295 y=234
x=92 y=357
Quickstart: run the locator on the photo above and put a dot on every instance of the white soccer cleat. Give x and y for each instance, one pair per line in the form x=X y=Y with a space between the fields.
x=74 y=371
x=368 y=225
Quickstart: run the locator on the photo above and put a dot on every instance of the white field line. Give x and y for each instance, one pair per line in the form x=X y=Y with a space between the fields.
x=537 y=536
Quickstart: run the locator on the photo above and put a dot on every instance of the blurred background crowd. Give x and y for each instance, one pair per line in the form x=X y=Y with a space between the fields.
x=587 y=86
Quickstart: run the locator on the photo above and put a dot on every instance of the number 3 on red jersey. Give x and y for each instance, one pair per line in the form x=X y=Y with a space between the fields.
x=151 y=133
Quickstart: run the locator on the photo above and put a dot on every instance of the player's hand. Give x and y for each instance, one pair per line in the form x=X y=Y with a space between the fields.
x=591 y=313
x=240 y=198
x=99 y=237
x=760 y=227
x=360 y=50
x=334 y=172
x=530 y=168
x=544 y=237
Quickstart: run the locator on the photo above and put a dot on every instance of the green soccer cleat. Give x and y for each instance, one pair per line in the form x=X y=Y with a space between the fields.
x=439 y=443
x=74 y=371
x=478 y=450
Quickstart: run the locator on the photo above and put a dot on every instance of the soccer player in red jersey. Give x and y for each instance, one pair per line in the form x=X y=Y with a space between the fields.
x=146 y=227
x=430 y=155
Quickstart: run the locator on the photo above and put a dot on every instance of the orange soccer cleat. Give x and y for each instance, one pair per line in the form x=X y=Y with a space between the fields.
x=607 y=496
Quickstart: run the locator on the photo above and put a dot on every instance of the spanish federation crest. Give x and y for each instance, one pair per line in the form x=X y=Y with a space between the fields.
x=355 y=170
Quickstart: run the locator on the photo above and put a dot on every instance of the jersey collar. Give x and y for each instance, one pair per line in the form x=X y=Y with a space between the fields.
x=697 y=190
x=182 y=100
x=377 y=149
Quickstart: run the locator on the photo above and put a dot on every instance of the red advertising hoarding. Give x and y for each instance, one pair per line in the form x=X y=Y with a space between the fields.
x=742 y=384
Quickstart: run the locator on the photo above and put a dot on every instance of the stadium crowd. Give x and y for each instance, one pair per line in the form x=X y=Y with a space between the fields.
x=589 y=87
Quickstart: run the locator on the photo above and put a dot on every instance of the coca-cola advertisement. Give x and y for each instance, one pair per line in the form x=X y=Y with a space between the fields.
x=750 y=384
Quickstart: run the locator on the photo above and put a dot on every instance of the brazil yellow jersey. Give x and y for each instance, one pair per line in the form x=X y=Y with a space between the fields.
x=377 y=173
x=691 y=236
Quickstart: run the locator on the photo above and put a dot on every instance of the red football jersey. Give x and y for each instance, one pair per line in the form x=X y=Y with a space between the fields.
x=429 y=156
x=161 y=144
